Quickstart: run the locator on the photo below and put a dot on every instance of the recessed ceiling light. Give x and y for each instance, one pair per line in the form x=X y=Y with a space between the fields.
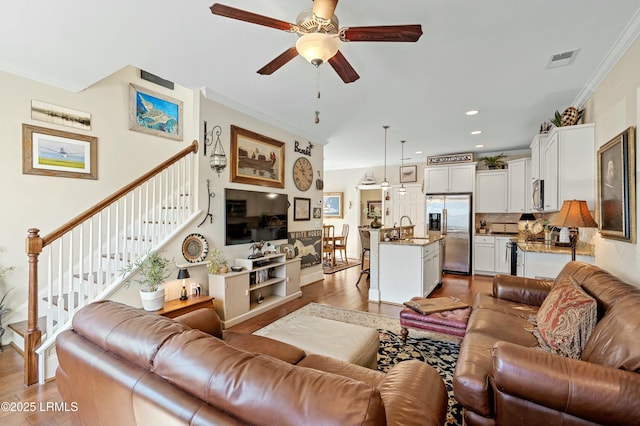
x=476 y=132
x=472 y=112
x=480 y=145
x=419 y=152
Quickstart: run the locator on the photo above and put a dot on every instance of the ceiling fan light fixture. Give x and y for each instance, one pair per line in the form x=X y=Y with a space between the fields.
x=318 y=48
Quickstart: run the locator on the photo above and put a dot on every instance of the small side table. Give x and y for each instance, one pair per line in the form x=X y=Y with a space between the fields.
x=176 y=307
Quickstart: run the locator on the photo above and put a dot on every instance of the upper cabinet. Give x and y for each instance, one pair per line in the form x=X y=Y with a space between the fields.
x=568 y=166
x=455 y=178
x=519 y=185
x=491 y=191
x=536 y=151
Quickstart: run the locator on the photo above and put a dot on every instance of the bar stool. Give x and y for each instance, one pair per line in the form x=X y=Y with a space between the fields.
x=365 y=242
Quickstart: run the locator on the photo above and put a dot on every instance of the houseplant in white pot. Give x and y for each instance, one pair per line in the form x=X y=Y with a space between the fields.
x=152 y=271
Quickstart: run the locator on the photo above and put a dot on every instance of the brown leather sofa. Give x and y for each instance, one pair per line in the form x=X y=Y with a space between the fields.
x=503 y=378
x=124 y=366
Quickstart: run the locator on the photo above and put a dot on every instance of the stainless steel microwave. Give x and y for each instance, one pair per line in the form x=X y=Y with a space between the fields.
x=537 y=195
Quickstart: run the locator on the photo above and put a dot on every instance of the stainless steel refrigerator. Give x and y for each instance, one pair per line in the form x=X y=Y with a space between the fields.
x=449 y=215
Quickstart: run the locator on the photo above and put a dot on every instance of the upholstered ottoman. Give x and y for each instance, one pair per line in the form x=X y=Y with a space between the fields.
x=453 y=321
x=347 y=342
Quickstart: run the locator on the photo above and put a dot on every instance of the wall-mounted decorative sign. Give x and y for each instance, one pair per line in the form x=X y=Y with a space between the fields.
x=50 y=152
x=617 y=187
x=154 y=113
x=256 y=159
x=305 y=151
x=307 y=246
x=55 y=114
x=449 y=159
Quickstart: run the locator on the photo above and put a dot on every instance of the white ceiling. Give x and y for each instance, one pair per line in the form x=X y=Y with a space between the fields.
x=488 y=55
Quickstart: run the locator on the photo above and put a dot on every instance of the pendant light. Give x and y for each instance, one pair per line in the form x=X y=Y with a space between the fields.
x=385 y=182
x=402 y=189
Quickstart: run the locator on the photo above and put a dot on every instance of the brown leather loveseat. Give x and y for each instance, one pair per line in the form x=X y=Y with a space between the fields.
x=503 y=377
x=124 y=366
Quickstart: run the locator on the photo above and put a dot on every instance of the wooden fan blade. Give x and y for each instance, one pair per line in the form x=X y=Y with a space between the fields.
x=254 y=18
x=344 y=69
x=409 y=33
x=278 y=62
x=324 y=8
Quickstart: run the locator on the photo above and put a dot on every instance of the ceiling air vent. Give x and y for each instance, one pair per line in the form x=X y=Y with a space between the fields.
x=562 y=59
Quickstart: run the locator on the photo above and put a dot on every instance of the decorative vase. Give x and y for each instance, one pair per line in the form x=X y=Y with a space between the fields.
x=376 y=223
x=223 y=269
x=152 y=300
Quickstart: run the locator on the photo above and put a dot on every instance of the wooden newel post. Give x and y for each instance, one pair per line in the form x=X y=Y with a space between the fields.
x=32 y=338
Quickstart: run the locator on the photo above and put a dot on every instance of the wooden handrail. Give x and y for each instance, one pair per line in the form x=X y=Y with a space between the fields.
x=52 y=236
x=35 y=244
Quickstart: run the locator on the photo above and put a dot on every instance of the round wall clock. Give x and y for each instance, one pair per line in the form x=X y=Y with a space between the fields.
x=302 y=173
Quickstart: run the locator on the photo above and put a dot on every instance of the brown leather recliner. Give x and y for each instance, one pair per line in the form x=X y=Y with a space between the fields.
x=503 y=378
x=121 y=365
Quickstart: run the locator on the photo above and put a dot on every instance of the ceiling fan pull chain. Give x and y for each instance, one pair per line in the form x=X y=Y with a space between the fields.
x=317 y=119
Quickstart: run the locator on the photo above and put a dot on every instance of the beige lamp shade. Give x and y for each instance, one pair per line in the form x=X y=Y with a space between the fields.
x=574 y=214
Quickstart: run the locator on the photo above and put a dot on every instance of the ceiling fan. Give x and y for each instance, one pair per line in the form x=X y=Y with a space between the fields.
x=320 y=36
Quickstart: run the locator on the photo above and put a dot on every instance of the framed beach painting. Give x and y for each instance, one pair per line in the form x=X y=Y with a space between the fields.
x=332 y=204
x=617 y=187
x=50 y=152
x=256 y=159
x=154 y=113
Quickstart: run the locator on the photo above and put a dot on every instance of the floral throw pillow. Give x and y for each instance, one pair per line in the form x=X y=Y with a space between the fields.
x=566 y=319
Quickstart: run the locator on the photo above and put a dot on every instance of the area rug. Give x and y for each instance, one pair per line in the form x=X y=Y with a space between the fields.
x=340 y=266
x=438 y=350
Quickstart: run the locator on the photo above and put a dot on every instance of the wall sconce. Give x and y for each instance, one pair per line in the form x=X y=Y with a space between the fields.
x=217 y=159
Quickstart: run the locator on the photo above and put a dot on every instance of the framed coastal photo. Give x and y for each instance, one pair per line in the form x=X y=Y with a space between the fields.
x=408 y=174
x=50 y=152
x=301 y=208
x=616 y=187
x=371 y=208
x=154 y=113
x=332 y=204
x=256 y=159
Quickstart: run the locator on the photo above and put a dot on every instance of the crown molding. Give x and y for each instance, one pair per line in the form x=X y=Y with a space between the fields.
x=619 y=48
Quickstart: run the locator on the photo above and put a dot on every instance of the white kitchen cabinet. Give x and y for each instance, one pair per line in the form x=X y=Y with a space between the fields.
x=569 y=166
x=443 y=179
x=484 y=254
x=407 y=270
x=546 y=265
x=519 y=186
x=411 y=204
x=502 y=255
x=264 y=284
x=491 y=191
x=536 y=153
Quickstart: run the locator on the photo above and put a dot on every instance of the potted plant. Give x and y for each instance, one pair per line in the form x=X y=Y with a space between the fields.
x=152 y=270
x=494 y=162
x=217 y=262
x=3 y=308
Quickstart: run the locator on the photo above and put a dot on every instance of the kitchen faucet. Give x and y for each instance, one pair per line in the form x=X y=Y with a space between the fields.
x=403 y=232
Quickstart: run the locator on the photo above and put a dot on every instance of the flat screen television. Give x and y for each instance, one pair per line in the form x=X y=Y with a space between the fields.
x=253 y=216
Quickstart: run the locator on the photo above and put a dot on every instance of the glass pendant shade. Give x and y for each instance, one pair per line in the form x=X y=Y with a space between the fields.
x=318 y=48
x=218 y=159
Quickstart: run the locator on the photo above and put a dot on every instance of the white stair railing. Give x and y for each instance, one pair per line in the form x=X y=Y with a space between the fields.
x=83 y=258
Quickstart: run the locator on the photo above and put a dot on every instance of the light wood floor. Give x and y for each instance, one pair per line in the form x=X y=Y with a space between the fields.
x=338 y=289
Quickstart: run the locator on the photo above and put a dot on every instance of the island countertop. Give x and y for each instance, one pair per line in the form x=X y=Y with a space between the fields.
x=413 y=241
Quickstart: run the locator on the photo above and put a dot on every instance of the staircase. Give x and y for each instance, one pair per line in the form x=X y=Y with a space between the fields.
x=83 y=258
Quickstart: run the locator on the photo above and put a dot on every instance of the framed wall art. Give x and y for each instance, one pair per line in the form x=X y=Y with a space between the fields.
x=332 y=204
x=408 y=174
x=617 y=187
x=50 y=152
x=154 y=113
x=371 y=208
x=301 y=208
x=256 y=159
x=55 y=114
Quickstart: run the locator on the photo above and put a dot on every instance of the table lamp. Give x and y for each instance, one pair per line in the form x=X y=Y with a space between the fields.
x=183 y=274
x=574 y=214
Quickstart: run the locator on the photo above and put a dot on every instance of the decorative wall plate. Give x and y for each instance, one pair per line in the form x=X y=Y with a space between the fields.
x=195 y=248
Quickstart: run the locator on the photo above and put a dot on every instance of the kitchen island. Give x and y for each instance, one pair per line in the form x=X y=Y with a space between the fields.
x=407 y=268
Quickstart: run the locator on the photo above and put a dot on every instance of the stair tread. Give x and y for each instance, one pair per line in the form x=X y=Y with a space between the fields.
x=20 y=327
